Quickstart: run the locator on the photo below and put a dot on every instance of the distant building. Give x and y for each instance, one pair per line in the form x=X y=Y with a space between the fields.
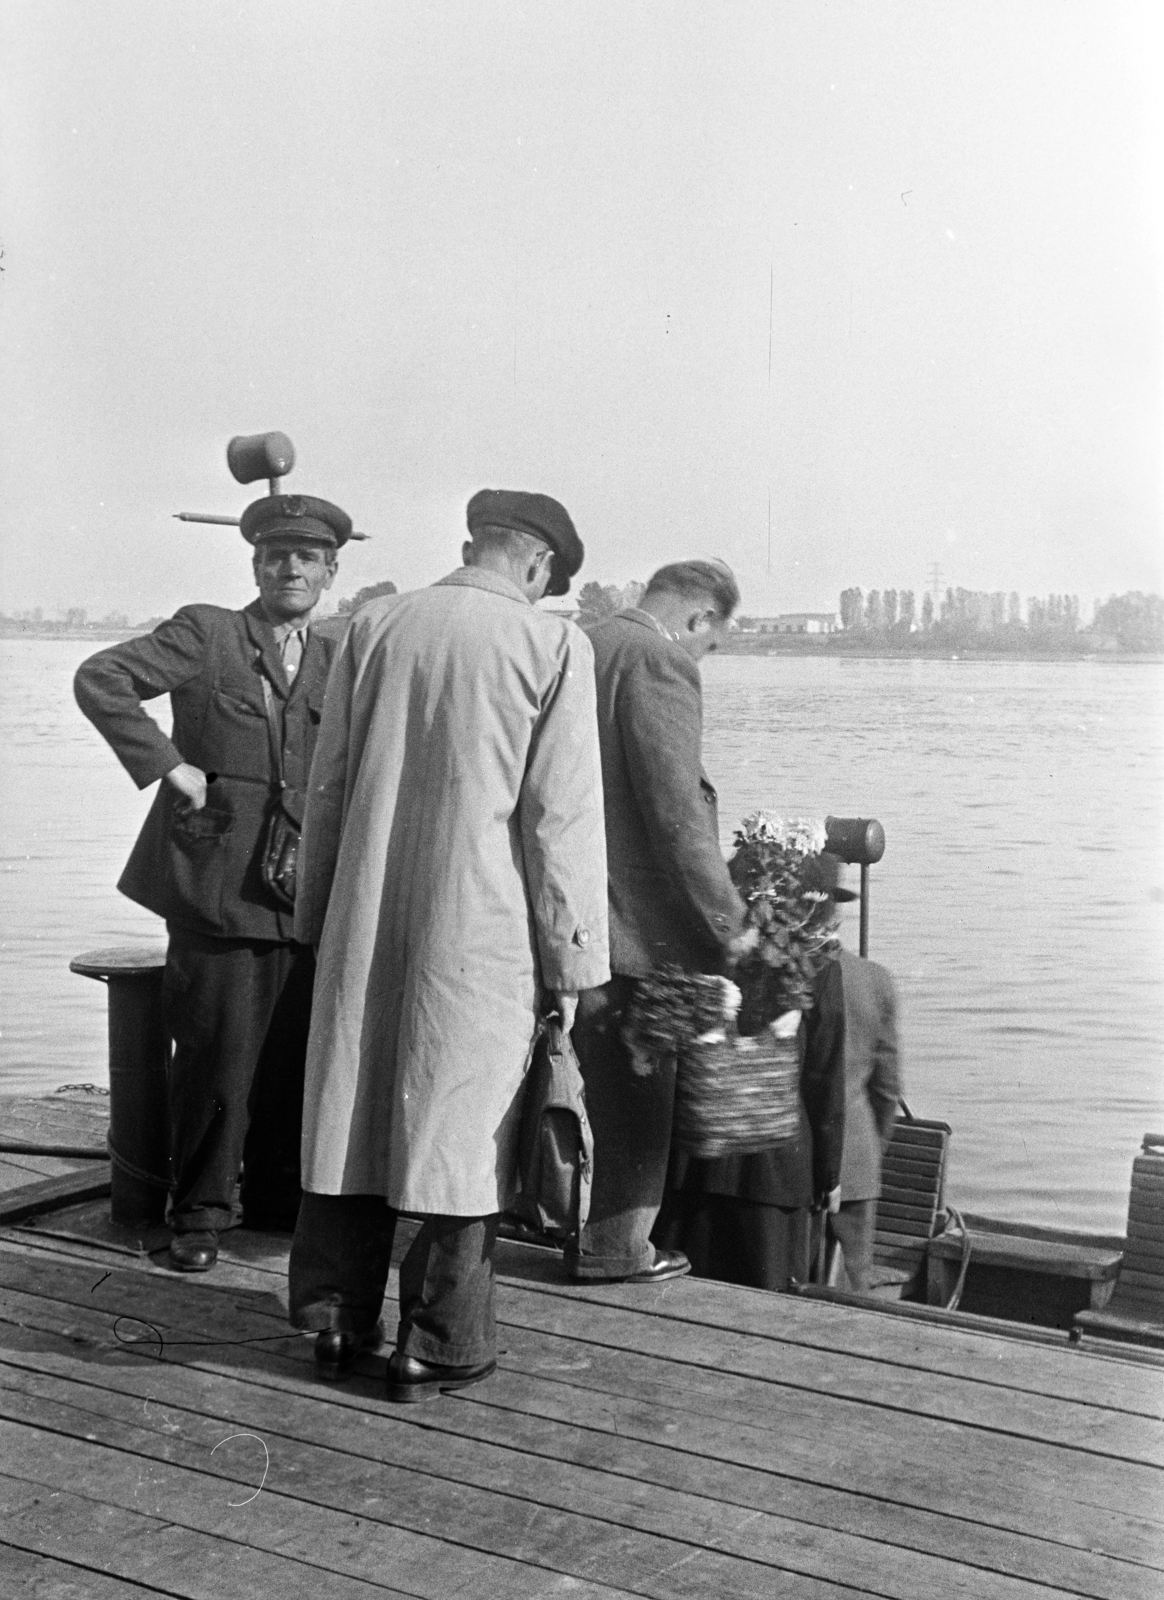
x=793 y=622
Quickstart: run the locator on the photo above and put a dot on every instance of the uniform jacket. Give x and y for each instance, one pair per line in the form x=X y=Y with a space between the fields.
x=452 y=865
x=201 y=869
x=797 y=1172
x=872 y=1075
x=671 y=899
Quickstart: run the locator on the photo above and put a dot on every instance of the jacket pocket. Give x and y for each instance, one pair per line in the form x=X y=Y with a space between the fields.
x=236 y=705
x=199 y=846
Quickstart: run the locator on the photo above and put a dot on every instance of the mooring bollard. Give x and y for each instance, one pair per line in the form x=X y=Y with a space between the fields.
x=139 y=1053
x=857 y=839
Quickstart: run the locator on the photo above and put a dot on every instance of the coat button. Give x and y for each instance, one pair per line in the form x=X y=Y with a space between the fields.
x=582 y=937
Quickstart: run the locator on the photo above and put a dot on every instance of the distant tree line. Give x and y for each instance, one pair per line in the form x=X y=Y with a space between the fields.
x=969 y=617
x=361 y=597
x=963 y=619
x=597 y=601
x=1135 y=621
x=70 y=621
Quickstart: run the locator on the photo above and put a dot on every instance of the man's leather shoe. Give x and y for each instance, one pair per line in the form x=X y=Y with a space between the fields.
x=667 y=1264
x=410 y=1379
x=336 y=1352
x=194 y=1252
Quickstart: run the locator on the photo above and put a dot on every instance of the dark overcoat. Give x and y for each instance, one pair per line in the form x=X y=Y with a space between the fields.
x=200 y=869
x=671 y=899
x=872 y=1073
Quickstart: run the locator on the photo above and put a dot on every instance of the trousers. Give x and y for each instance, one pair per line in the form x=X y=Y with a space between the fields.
x=338 y=1272
x=238 y=1012
x=854 y=1226
x=630 y=1116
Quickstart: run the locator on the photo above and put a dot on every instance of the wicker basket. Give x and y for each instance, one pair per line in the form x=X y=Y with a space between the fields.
x=738 y=1096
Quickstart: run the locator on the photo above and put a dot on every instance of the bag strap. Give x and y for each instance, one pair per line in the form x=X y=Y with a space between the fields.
x=274 y=730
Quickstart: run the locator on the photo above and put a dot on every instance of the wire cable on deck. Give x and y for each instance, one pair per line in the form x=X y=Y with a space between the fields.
x=197 y=1344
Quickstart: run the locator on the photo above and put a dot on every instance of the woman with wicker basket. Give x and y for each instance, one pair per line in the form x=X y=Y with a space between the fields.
x=759 y=1118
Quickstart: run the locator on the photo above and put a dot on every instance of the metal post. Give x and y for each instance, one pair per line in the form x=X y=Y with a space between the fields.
x=139 y=1054
x=863 y=946
x=857 y=839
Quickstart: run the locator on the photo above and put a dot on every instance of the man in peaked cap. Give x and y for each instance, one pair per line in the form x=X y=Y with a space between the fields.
x=453 y=880
x=537 y=516
x=246 y=689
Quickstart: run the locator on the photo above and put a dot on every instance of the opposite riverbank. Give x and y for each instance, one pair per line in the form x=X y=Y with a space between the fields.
x=858 y=646
x=865 y=646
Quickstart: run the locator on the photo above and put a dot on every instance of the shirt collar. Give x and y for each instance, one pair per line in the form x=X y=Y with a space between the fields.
x=646 y=620
x=284 y=630
x=483 y=578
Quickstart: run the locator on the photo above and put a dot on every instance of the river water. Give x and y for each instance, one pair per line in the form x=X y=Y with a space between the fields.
x=1020 y=902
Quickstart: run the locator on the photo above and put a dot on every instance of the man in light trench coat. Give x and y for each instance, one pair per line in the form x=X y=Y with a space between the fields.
x=453 y=875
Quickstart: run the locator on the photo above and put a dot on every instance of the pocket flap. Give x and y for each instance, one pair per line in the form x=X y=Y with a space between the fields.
x=212 y=822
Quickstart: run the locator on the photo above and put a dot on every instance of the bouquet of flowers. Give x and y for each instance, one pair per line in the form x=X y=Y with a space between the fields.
x=736 y=1048
x=776 y=868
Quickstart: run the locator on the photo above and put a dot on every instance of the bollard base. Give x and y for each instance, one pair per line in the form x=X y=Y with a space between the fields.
x=139 y=1054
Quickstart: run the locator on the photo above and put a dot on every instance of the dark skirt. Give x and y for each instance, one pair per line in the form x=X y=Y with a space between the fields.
x=750 y=1242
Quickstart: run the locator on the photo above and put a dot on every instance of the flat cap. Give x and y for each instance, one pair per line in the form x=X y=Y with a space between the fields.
x=546 y=519
x=295 y=516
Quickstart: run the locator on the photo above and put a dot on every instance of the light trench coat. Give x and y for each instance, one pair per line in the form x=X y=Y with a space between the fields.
x=453 y=863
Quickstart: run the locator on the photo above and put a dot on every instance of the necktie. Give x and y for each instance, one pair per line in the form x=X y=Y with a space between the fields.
x=292 y=653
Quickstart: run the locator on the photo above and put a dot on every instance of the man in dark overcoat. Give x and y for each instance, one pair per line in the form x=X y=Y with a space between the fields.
x=873 y=1090
x=246 y=688
x=671 y=900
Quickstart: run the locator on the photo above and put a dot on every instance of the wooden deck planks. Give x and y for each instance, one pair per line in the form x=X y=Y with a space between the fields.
x=290 y=1422
x=108 y=1465
x=88 y=1180
x=155 y=1550
x=41 y=1577
x=623 y=1454
x=396 y=1507
x=65 y=1118
x=940 y=1396
x=627 y=1354
x=985 y=1357
x=626 y=1351
x=490 y=1414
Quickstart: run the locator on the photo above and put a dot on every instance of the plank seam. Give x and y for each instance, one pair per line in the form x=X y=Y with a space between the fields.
x=9 y=1543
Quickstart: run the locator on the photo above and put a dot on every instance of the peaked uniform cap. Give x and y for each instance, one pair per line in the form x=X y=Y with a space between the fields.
x=296 y=516
x=537 y=514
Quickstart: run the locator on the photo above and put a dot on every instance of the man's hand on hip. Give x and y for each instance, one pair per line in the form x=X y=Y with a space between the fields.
x=190 y=783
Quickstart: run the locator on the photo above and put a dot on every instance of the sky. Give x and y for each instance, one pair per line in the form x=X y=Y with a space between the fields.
x=837 y=291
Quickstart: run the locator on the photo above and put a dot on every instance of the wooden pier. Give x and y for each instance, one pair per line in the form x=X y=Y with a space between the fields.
x=166 y=1435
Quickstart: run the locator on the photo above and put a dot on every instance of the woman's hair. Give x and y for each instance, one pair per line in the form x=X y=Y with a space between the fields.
x=698 y=580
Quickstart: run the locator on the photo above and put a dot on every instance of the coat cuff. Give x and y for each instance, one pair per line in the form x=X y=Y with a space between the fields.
x=576 y=967
x=152 y=765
